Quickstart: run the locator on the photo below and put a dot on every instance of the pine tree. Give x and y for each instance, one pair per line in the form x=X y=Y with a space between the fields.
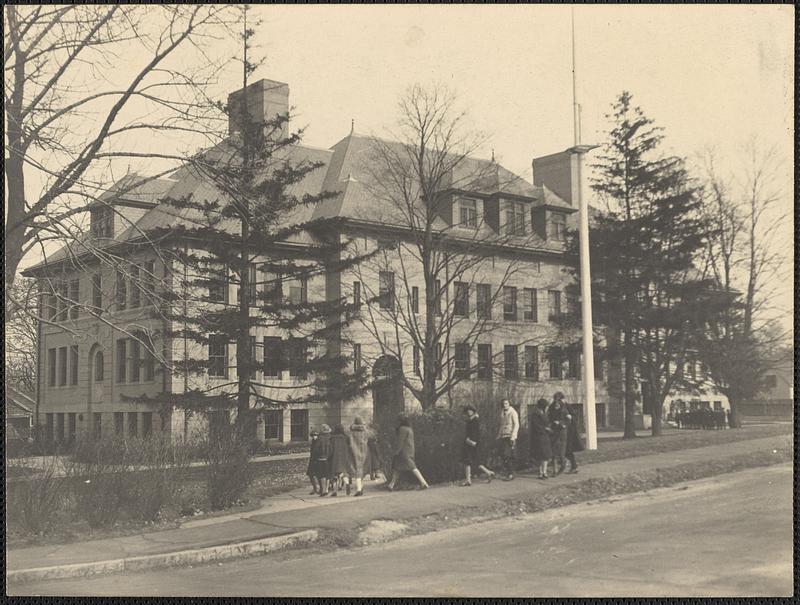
x=247 y=234
x=643 y=253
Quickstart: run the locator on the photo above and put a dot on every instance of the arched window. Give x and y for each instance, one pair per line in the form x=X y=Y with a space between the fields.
x=98 y=366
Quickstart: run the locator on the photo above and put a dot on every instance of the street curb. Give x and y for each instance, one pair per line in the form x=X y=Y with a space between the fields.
x=183 y=557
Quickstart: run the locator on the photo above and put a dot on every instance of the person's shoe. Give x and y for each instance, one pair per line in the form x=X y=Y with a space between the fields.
x=572 y=471
x=542 y=476
x=334 y=494
x=312 y=493
x=466 y=483
x=489 y=477
x=510 y=477
x=421 y=487
x=390 y=487
x=359 y=493
x=321 y=494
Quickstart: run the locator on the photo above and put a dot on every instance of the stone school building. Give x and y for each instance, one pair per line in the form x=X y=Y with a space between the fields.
x=90 y=362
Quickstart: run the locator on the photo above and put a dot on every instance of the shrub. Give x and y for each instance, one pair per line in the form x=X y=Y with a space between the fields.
x=228 y=471
x=35 y=501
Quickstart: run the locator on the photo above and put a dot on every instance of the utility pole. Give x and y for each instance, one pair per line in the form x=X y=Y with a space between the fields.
x=579 y=150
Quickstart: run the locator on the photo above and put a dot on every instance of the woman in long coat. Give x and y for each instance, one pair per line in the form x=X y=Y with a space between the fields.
x=339 y=459
x=320 y=458
x=574 y=443
x=540 y=437
x=359 y=449
x=404 y=454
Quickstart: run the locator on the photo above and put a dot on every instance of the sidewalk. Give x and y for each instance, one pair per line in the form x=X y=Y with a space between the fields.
x=295 y=511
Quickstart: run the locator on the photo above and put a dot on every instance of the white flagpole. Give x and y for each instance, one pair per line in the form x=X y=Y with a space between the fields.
x=589 y=419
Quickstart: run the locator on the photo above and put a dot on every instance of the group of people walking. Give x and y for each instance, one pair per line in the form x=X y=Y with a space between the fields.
x=553 y=434
x=704 y=418
x=340 y=460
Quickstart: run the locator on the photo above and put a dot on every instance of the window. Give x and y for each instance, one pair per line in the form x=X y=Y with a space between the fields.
x=97 y=292
x=72 y=427
x=51 y=367
x=531 y=312
x=485 y=362
x=147 y=424
x=99 y=367
x=118 y=421
x=48 y=427
x=298 y=291
x=415 y=360
x=253 y=357
x=554 y=305
x=136 y=291
x=273 y=286
x=149 y=277
x=74 y=297
x=515 y=218
x=273 y=356
x=532 y=362
x=461 y=299
x=121 y=292
x=509 y=303
x=252 y=278
x=122 y=360
x=437 y=293
x=439 y=361
x=574 y=364
x=557 y=226
x=136 y=359
x=297 y=357
x=102 y=222
x=133 y=424
x=356 y=357
x=573 y=306
x=273 y=424
x=60 y=426
x=556 y=360
x=73 y=365
x=414 y=299
x=357 y=294
x=97 y=425
x=299 y=425
x=510 y=362
x=468 y=213
x=218 y=356
x=62 y=366
x=218 y=283
x=461 y=359
x=63 y=302
x=484 y=302
x=386 y=290
x=149 y=365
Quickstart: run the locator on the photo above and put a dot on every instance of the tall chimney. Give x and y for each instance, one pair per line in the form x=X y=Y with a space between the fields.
x=266 y=99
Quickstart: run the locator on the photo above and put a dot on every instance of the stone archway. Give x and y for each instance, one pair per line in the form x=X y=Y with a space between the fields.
x=387 y=390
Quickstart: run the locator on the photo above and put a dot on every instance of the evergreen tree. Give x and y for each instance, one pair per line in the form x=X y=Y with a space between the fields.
x=246 y=235
x=643 y=250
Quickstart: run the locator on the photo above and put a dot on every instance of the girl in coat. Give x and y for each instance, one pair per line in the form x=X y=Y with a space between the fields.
x=316 y=487
x=373 y=464
x=359 y=449
x=470 y=448
x=540 y=437
x=404 y=454
x=340 y=452
x=320 y=454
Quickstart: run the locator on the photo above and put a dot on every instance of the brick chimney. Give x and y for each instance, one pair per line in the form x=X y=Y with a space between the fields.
x=265 y=100
x=559 y=172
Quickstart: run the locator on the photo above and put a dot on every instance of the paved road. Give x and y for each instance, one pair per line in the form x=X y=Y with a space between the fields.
x=726 y=536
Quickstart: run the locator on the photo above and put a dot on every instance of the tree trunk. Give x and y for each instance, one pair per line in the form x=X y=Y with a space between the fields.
x=735 y=420
x=655 y=426
x=630 y=396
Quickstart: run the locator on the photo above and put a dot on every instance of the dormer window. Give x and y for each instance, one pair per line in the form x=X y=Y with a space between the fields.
x=102 y=222
x=514 y=218
x=557 y=227
x=468 y=212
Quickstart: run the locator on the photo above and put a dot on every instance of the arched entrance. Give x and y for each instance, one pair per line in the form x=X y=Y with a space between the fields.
x=387 y=390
